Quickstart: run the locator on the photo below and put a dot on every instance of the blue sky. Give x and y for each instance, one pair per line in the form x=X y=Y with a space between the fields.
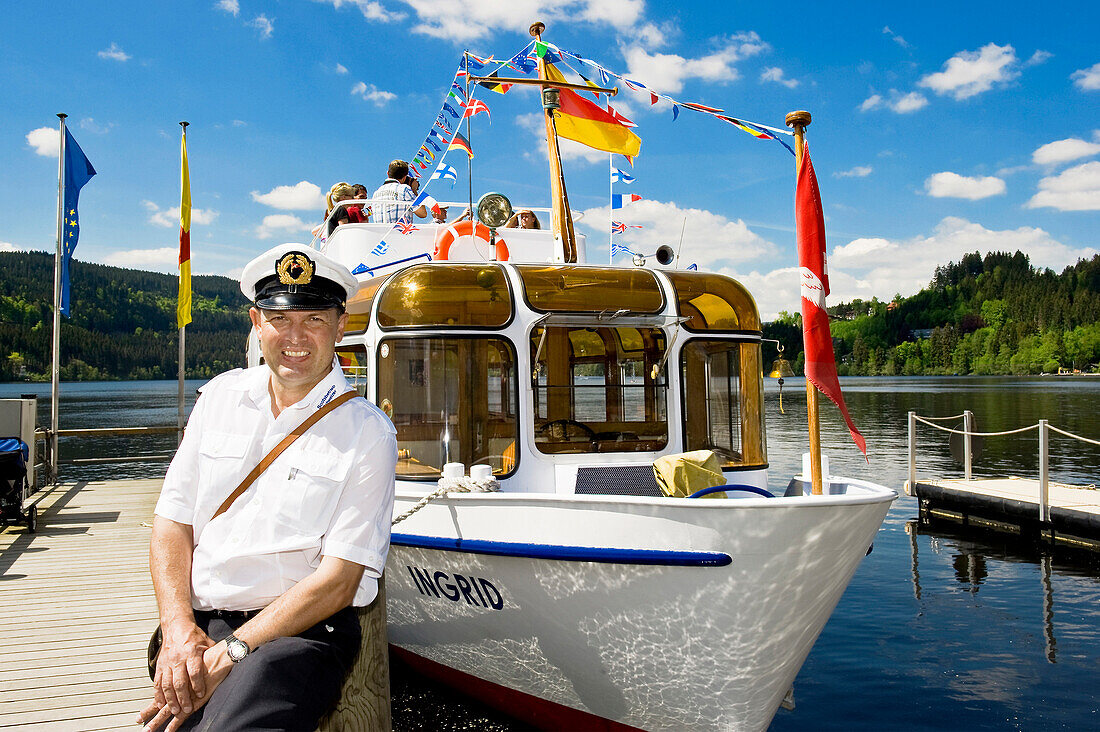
x=939 y=128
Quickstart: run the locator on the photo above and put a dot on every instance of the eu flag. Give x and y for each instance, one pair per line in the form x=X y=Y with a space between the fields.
x=78 y=171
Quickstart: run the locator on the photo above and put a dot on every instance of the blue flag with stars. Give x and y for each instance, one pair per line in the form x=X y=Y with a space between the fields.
x=78 y=171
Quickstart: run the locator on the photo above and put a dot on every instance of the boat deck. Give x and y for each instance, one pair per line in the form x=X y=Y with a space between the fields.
x=77 y=608
x=1074 y=510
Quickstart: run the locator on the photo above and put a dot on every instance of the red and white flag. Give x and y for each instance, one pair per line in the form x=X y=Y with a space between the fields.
x=476 y=106
x=818 y=342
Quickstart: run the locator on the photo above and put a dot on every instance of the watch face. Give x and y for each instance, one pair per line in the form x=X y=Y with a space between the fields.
x=236 y=649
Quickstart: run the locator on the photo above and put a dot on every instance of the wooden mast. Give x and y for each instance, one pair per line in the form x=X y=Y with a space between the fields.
x=561 y=220
x=799 y=121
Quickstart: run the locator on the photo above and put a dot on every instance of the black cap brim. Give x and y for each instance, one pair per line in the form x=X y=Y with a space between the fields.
x=320 y=294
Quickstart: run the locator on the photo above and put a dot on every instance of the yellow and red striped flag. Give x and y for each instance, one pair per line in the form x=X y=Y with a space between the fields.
x=183 y=304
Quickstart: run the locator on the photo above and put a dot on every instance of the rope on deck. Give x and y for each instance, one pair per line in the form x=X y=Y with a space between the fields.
x=977 y=434
x=941 y=419
x=451 y=485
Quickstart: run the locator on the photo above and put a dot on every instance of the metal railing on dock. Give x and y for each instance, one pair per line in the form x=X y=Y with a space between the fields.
x=968 y=433
x=49 y=462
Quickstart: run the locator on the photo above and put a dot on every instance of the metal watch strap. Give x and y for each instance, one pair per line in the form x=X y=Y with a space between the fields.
x=232 y=640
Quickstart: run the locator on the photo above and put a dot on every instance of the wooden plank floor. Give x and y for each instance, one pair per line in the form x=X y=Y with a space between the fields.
x=77 y=608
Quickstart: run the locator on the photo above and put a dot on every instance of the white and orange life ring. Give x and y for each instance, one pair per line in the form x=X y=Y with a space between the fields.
x=464 y=229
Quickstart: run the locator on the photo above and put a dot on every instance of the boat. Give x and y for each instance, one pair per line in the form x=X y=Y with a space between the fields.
x=567 y=588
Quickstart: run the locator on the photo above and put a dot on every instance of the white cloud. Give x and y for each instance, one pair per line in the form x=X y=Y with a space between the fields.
x=775 y=74
x=302 y=196
x=568 y=149
x=239 y=123
x=371 y=93
x=94 y=127
x=6 y=246
x=280 y=224
x=233 y=7
x=164 y=258
x=341 y=69
x=667 y=72
x=710 y=240
x=860 y=171
x=263 y=24
x=45 y=141
x=1074 y=189
x=464 y=20
x=1087 y=79
x=114 y=53
x=953 y=185
x=895 y=37
x=170 y=217
x=1062 y=151
x=968 y=73
x=370 y=9
x=898 y=102
x=881 y=267
x=1039 y=57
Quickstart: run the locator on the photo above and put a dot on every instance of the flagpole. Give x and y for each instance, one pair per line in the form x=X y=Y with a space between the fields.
x=180 y=397
x=469 y=159
x=610 y=211
x=55 y=370
x=799 y=121
x=561 y=219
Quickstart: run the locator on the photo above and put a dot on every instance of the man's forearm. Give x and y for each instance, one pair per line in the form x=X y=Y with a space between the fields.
x=170 y=552
x=328 y=590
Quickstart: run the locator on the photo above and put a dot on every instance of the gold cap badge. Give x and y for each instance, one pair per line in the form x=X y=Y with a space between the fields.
x=294 y=269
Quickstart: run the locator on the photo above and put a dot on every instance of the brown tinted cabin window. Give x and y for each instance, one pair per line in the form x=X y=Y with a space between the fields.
x=598 y=389
x=442 y=295
x=714 y=302
x=723 y=398
x=451 y=400
x=572 y=289
x=359 y=306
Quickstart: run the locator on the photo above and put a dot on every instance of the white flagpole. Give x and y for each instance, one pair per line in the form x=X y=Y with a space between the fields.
x=610 y=211
x=55 y=371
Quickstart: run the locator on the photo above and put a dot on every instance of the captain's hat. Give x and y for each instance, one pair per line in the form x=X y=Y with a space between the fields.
x=296 y=277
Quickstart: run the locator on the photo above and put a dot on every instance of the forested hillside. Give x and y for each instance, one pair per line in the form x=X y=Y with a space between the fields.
x=982 y=315
x=123 y=323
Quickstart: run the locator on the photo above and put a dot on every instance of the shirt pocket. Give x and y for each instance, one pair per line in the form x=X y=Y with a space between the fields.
x=314 y=476
x=221 y=466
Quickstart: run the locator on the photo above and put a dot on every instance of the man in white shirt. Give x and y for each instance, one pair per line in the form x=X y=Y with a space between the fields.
x=397 y=188
x=255 y=602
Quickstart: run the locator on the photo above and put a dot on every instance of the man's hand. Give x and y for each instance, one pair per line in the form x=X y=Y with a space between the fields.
x=214 y=665
x=180 y=682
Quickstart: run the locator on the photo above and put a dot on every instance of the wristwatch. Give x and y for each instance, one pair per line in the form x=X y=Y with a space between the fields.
x=236 y=649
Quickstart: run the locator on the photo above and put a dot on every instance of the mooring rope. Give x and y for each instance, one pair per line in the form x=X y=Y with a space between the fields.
x=941 y=419
x=452 y=485
x=976 y=434
x=1070 y=434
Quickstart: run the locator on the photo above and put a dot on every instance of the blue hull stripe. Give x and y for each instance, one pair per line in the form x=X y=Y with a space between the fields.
x=565 y=553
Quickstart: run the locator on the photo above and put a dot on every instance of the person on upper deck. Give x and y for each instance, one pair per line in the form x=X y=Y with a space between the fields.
x=523 y=219
x=344 y=214
x=397 y=188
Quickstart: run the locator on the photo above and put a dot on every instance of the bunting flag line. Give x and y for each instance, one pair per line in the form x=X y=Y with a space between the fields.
x=461 y=143
x=445 y=172
x=495 y=86
x=618 y=200
x=78 y=171
x=381 y=248
x=817 y=340
x=183 y=300
x=588 y=123
x=475 y=107
x=406 y=228
x=617 y=248
x=620 y=176
x=618 y=227
x=451 y=111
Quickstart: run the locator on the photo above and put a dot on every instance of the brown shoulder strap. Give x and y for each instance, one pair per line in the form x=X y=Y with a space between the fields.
x=278 y=450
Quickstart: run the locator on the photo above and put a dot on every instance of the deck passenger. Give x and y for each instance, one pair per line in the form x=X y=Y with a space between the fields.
x=523 y=219
x=255 y=602
x=396 y=188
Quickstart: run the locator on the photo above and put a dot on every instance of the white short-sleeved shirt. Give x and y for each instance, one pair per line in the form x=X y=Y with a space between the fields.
x=329 y=494
x=391 y=190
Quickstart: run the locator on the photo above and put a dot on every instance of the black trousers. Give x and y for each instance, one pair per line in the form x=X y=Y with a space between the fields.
x=287 y=684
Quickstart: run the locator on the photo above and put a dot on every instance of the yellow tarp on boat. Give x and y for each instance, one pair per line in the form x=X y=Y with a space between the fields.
x=687 y=472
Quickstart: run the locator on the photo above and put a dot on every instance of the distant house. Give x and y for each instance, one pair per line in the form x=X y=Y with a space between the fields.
x=922 y=333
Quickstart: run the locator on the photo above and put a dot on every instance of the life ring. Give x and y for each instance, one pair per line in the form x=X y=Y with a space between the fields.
x=455 y=232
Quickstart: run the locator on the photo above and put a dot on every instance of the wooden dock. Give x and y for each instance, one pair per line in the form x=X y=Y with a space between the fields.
x=1014 y=502
x=77 y=609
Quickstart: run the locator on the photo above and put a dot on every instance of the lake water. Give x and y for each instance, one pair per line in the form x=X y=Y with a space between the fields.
x=938 y=630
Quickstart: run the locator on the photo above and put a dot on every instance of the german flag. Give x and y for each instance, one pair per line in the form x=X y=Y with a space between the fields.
x=461 y=143
x=586 y=122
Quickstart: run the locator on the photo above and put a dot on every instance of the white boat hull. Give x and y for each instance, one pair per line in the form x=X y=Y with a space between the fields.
x=533 y=598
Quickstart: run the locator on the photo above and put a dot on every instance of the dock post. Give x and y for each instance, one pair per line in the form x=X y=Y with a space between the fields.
x=1044 y=477
x=911 y=486
x=968 y=427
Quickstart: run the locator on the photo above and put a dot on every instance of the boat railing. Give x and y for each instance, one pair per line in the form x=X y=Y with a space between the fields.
x=50 y=463
x=968 y=432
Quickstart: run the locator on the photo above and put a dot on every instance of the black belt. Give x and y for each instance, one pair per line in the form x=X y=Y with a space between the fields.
x=242 y=615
